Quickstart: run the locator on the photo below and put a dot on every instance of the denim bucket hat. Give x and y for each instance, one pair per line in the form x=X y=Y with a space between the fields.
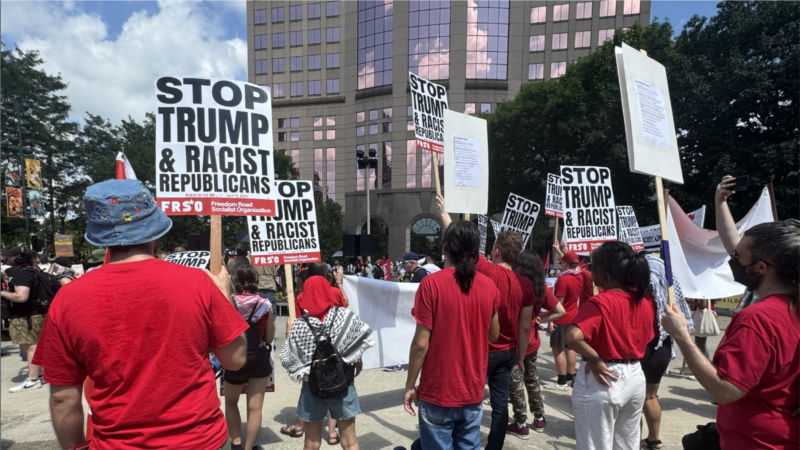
x=123 y=212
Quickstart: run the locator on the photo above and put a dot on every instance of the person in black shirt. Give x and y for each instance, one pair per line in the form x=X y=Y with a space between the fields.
x=26 y=322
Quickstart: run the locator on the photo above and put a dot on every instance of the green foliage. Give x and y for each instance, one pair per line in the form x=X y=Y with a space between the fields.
x=329 y=224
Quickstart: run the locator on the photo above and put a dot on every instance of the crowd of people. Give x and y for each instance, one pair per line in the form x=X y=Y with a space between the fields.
x=611 y=325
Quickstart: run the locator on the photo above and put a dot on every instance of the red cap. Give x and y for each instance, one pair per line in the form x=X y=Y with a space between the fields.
x=569 y=257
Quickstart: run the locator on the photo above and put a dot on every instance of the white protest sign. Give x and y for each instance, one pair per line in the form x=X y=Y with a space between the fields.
x=589 y=209
x=428 y=102
x=553 y=201
x=213 y=147
x=651 y=237
x=482 y=224
x=291 y=236
x=466 y=164
x=629 y=232
x=495 y=227
x=196 y=259
x=520 y=216
x=646 y=107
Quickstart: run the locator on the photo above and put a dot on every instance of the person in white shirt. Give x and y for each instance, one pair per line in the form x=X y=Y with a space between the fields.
x=430 y=263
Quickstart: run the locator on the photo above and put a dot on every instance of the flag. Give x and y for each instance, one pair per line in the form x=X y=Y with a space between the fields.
x=387 y=269
x=124 y=168
x=547 y=261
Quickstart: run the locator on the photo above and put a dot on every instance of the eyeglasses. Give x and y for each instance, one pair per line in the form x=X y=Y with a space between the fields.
x=737 y=256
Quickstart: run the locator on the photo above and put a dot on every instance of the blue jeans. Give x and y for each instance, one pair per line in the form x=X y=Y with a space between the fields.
x=499 y=375
x=441 y=427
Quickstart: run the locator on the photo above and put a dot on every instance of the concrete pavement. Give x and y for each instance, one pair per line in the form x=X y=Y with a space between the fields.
x=25 y=419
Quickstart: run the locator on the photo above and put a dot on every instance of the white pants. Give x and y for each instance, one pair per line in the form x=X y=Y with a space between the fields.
x=608 y=418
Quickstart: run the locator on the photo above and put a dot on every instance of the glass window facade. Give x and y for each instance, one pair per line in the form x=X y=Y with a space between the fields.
x=279 y=90
x=426 y=234
x=331 y=9
x=604 y=35
x=277 y=15
x=277 y=40
x=535 y=71
x=486 y=107
x=559 y=41
x=583 y=10
x=375 y=24
x=278 y=65
x=560 y=12
x=631 y=7
x=317 y=121
x=295 y=136
x=330 y=175
x=373 y=114
x=297 y=89
x=537 y=43
x=281 y=123
x=360 y=116
x=487 y=39
x=411 y=164
x=387 y=165
x=330 y=120
x=294 y=122
x=333 y=86
x=315 y=87
x=296 y=12
x=330 y=134
x=260 y=16
x=261 y=66
x=427 y=175
x=469 y=108
x=313 y=10
x=608 y=8
x=295 y=38
x=557 y=69
x=387 y=112
x=583 y=39
x=260 y=41
x=282 y=136
x=538 y=14
x=313 y=37
x=295 y=154
x=318 y=174
x=332 y=61
x=296 y=63
x=318 y=135
x=360 y=172
x=387 y=127
x=360 y=130
x=373 y=129
x=332 y=34
x=314 y=62
x=429 y=39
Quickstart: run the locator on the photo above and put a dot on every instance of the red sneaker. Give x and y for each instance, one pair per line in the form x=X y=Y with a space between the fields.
x=538 y=424
x=520 y=432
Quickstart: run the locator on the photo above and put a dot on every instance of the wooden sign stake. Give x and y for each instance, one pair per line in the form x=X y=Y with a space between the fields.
x=436 y=172
x=216 y=244
x=772 y=202
x=287 y=273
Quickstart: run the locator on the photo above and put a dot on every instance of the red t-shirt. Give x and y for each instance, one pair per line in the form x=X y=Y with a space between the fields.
x=614 y=328
x=454 y=372
x=550 y=302
x=587 y=291
x=336 y=293
x=141 y=331
x=569 y=286
x=760 y=354
x=516 y=292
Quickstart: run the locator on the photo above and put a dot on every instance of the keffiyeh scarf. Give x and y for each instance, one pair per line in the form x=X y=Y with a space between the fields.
x=660 y=291
x=351 y=337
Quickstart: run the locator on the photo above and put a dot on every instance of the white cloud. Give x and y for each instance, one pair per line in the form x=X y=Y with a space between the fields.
x=114 y=78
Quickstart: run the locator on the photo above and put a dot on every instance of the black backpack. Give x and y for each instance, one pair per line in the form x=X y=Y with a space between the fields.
x=44 y=290
x=330 y=377
x=705 y=438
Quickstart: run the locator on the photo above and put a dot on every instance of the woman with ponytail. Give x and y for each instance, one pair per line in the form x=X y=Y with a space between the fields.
x=611 y=333
x=755 y=373
x=456 y=313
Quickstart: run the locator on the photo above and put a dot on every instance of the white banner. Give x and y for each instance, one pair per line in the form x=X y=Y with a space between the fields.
x=291 y=237
x=213 y=147
x=428 y=102
x=196 y=259
x=629 y=231
x=386 y=308
x=554 y=201
x=520 y=216
x=589 y=208
x=699 y=260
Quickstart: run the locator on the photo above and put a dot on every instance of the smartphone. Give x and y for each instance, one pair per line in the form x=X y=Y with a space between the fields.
x=741 y=183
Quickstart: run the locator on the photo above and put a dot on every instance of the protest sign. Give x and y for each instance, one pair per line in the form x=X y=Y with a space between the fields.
x=589 y=209
x=213 y=147
x=482 y=224
x=651 y=237
x=63 y=245
x=290 y=237
x=646 y=107
x=466 y=164
x=428 y=103
x=553 y=201
x=495 y=228
x=520 y=216
x=629 y=232
x=196 y=259
x=14 y=203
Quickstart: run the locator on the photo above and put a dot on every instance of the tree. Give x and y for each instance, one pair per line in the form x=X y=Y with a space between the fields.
x=329 y=225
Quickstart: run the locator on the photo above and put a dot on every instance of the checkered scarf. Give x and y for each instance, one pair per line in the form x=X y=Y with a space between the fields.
x=660 y=291
x=351 y=337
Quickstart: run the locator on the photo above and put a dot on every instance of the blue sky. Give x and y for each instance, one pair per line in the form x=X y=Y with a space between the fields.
x=110 y=52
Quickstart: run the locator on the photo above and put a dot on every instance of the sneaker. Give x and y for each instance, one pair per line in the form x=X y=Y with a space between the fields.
x=691 y=377
x=27 y=385
x=41 y=380
x=561 y=387
x=538 y=424
x=520 y=432
x=237 y=446
x=488 y=402
x=397 y=368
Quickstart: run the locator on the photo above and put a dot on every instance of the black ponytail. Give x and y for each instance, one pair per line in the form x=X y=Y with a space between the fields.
x=530 y=266
x=461 y=242
x=622 y=268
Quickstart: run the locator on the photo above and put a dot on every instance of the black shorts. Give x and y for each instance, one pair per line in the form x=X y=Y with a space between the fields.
x=259 y=367
x=559 y=337
x=655 y=362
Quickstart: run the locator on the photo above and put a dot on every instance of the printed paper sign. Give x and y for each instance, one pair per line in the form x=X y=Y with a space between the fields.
x=466 y=161
x=482 y=223
x=495 y=227
x=589 y=209
x=629 y=232
x=290 y=237
x=196 y=259
x=213 y=147
x=651 y=237
x=520 y=216
x=653 y=114
x=553 y=201
x=428 y=101
x=63 y=245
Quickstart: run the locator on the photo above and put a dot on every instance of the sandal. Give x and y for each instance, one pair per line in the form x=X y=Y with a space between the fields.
x=333 y=440
x=650 y=445
x=291 y=431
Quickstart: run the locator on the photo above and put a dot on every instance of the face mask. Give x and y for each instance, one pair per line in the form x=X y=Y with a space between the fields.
x=740 y=275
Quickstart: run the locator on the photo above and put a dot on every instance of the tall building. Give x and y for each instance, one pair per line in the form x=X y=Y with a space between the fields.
x=338 y=71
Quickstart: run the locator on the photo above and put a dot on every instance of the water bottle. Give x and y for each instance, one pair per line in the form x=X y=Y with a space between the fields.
x=515 y=373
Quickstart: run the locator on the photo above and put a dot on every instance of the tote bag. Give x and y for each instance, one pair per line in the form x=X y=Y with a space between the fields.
x=705 y=323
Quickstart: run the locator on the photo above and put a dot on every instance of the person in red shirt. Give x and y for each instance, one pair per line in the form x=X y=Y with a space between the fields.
x=140 y=328
x=529 y=265
x=611 y=332
x=755 y=374
x=456 y=310
x=567 y=290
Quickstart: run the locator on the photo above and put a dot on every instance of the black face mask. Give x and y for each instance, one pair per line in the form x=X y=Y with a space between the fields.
x=740 y=275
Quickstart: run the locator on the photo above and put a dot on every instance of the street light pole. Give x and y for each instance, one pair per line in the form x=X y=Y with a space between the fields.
x=24 y=179
x=367 y=162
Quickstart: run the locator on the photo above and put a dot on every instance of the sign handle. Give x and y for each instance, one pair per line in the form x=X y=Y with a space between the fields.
x=662 y=220
x=436 y=173
x=466 y=217
x=287 y=273
x=772 y=202
x=216 y=244
x=555 y=233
